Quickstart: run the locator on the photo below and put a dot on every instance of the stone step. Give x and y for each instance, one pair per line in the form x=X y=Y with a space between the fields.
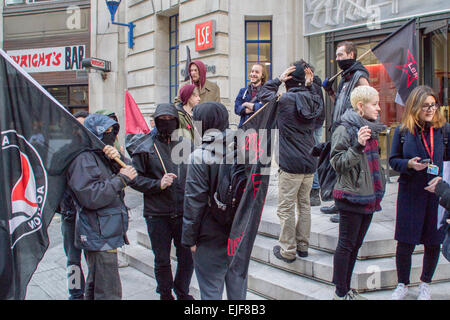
x=368 y=275
x=279 y=284
x=142 y=259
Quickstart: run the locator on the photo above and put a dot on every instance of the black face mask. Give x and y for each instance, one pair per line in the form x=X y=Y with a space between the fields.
x=346 y=64
x=109 y=138
x=166 y=127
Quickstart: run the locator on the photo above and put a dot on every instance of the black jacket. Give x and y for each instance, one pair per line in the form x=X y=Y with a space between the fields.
x=298 y=109
x=199 y=226
x=157 y=202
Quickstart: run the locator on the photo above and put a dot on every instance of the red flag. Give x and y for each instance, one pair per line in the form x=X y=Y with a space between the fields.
x=134 y=120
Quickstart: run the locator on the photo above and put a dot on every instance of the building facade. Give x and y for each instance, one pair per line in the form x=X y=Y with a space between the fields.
x=49 y=39
x=153 y=70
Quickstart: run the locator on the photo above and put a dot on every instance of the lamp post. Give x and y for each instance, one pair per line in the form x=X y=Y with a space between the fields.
x=113 y=6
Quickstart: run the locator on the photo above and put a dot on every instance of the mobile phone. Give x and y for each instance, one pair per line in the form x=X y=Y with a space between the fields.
x=425 y=161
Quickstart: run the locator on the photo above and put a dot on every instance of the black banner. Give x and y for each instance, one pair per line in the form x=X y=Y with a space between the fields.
x=257 y=136
x=39 y=138
x=398 y=53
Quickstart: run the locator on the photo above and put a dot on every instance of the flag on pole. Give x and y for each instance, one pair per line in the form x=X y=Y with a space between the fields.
x=39 y=138
x=135 y=126
x=188 y=62
x=258 y=142
x=398 y=53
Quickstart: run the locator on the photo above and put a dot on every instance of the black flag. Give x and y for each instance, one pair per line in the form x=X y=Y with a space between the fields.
x=257 y=146
x=398 y=53
x=188 y=62
x=39 y=138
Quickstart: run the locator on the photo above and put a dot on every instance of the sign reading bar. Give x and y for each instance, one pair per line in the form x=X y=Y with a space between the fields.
x=49 y=59
x=205 y=35
x=98 y=64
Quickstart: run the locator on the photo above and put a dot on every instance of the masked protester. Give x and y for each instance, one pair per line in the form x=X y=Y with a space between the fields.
x=96 y=183
x=161 y=179
x=354 y=74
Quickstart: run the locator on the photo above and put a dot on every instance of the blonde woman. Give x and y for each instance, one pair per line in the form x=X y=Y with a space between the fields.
x=417 y=152
x=360 y=183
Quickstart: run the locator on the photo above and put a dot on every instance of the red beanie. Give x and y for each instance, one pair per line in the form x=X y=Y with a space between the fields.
x=186 y=92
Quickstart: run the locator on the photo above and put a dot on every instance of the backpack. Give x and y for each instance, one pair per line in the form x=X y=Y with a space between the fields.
x=228 y=192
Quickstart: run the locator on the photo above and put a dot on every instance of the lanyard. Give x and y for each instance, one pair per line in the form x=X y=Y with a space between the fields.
x=431 y=142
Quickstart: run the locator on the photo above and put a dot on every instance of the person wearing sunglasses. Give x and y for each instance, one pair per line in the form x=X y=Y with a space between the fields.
x=417 y=153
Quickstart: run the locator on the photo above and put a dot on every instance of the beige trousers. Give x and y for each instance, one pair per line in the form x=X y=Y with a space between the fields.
x=294 y=189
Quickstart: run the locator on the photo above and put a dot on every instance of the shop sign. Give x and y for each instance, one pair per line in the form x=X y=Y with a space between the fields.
x=205 y=35
x=49 y=59
x=333 y=15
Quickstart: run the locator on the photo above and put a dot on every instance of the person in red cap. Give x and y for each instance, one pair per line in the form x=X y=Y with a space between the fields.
x=190 y=97
x=209 y=91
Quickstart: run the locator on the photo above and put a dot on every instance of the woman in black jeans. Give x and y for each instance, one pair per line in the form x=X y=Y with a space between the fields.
x=417 y=152
x=360 y=182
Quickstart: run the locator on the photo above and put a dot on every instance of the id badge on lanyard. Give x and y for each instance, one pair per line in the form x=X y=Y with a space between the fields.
x=432 y=168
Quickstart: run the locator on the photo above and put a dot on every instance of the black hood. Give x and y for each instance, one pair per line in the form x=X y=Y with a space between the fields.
x=166 y=109
x=213 y=115
x=357 y=66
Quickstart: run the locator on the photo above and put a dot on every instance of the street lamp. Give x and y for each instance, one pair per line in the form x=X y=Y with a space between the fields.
x=113 y=6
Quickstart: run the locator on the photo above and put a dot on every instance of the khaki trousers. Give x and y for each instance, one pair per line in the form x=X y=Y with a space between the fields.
x=294 y=189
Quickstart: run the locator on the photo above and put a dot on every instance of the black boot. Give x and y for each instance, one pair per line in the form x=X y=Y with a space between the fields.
x=329 y=210
x=314 y=198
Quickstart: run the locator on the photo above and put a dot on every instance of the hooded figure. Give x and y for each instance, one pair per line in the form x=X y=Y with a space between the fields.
x=206 y=237
x=112 y=115
x=209 y=91
x=298 y=109
x=162 y=179
x=97 y=184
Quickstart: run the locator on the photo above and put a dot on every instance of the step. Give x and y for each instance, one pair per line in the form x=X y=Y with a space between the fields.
x=368 y=275
x=378 y=242
x=142 y=259
x=283 y=285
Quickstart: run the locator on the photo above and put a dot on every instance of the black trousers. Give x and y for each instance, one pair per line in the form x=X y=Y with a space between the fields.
x=352 y=230
x=403 y=261
x=162 y=230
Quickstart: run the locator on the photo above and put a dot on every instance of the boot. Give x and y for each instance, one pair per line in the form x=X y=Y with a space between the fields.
x=314 y=197
x=329 y=210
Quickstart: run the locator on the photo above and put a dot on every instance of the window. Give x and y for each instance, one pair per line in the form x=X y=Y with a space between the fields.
x=74 y=98
x=258 y=46
x=173 y=52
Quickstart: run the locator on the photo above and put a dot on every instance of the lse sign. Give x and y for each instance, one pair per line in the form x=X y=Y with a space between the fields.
x=205 y=35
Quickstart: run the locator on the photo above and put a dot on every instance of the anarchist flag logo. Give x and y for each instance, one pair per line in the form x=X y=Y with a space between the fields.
x=28 y=185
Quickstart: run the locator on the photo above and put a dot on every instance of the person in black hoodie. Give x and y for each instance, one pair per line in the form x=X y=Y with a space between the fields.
x=161 y=179
x=206 y=237
x=354 y=74
x=298 y=109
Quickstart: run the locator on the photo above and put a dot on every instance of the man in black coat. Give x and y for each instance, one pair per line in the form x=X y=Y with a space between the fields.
x=354 y=74
x=161 y=179
x=298 y=109
x=97 y=184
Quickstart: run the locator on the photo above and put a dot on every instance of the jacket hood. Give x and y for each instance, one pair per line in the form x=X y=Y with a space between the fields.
x=309 y=105
x=99 y=123
x=202 y=71
x=357 y=66
x=213 y=115
x=166 y=109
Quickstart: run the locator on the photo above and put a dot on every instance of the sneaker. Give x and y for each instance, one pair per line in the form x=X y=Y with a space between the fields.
x=400 y=292
x=424 y=292
x=329 y=210
x=354 y=295
x=336 y=297
x=314 y=198
x=277 y=253
x=302 y=254
x=335 y=218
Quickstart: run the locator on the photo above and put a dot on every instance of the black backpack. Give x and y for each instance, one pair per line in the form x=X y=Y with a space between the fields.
x=230 y=187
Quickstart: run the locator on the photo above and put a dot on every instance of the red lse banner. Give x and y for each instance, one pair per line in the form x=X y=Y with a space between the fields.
x=205 y=35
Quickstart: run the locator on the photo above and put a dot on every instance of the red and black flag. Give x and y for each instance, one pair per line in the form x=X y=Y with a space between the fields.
x=257 y=135
x=39 y=138
x=136 y=129
x=398 y=53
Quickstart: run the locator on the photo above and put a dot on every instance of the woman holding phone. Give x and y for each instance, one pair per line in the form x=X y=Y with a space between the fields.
x=418 y=152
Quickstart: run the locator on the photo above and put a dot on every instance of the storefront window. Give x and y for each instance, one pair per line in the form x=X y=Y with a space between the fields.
x=258 y=46
x=74 y=98
x=173 y=52
x=317 y=54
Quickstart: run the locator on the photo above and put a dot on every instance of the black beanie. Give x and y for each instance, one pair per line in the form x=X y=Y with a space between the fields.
x=298 y=76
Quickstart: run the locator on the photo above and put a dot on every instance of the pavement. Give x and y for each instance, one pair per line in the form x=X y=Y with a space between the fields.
x=49 y=281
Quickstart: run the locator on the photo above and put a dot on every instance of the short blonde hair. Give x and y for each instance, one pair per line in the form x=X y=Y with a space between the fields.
x=362 y=94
